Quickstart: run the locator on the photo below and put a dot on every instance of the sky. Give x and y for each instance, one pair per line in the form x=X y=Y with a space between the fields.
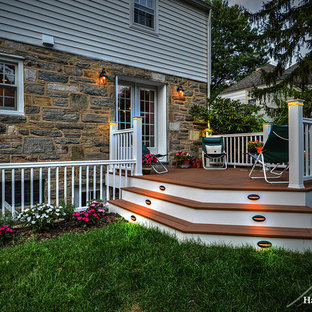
x=250 y=5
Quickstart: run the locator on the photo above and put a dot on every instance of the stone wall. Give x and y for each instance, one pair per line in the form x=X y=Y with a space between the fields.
x=67 y=111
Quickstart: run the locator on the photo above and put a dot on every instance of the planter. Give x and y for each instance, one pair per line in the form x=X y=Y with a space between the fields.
x=185 y=164
x=146 y=170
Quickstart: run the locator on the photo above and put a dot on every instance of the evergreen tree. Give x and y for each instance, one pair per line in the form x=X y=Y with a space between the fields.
x=235 y=50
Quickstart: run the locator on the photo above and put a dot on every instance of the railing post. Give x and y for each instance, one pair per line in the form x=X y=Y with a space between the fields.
x=137 y=145
x=266 y=131
x=296 y=153
x=112 y=143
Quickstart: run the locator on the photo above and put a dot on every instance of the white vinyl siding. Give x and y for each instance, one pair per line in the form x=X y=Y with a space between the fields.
x=101 y=29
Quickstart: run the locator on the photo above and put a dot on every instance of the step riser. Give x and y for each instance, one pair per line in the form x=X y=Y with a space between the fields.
x=219 y=196
x=277 y=219
x=299 y=245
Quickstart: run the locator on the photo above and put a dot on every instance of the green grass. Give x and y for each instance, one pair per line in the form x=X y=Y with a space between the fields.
x=125 y=267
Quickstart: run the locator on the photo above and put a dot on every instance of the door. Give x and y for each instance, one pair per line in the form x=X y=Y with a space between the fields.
x=139 y=100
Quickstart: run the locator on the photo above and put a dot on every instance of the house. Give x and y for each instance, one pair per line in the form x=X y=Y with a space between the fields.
x=54 y=107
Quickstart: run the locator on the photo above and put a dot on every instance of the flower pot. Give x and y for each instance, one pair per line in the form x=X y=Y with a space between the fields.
x=185 y=164
x=147 y=170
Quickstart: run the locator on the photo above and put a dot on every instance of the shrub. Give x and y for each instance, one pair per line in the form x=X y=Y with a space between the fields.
x=6 y=233
x=41 y=216
x=68 y=209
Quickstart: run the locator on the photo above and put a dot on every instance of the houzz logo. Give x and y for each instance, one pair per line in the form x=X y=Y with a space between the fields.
x=305 y=298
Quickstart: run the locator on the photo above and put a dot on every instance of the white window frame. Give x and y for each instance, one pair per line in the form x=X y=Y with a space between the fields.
x=19 y=77
x=137 y=26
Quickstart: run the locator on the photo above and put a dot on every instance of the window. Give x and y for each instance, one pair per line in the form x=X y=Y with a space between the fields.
x=251 y=99
x=124 y=107
x=144 y=14
x=11 y=85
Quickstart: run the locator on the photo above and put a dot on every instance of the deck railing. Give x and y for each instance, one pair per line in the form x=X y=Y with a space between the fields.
x=24 y=184
x=236 y=147
x=307 y=148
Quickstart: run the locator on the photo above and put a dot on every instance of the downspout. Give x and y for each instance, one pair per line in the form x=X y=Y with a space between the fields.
x=208 y=61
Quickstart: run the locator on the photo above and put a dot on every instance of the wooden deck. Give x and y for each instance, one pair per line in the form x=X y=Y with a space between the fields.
x=230 y=179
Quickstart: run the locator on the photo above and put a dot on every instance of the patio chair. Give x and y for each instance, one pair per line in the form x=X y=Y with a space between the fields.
x=274 y=155
x=163 y=169
x=213 y=153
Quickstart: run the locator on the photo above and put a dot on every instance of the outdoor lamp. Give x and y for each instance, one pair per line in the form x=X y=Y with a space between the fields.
x=103 y=76
x=180 y=91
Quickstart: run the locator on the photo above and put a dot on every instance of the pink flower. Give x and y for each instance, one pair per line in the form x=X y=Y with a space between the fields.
x=5 y=226
x=92 y=210
x=79 y=218
x=86 y=219
x=96 y=216
x=101 y=210
x=93 y=205
x=86 y=215
x=9 y=230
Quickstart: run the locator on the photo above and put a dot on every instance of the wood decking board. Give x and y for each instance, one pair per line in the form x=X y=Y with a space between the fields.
x=217 y=206
x=215 y=229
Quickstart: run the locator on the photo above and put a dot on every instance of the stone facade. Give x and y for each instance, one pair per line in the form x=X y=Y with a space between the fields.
x=67 y=111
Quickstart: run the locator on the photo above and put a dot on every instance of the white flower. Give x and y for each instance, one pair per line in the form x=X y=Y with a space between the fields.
x=33 y=222
x=28 y=219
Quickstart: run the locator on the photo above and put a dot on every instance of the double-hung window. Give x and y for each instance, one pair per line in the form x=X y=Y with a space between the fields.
x=144 y=14
x=11 y=85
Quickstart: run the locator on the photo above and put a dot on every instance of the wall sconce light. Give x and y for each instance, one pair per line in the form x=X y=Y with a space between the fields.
x=180 y=91
x=103 y=76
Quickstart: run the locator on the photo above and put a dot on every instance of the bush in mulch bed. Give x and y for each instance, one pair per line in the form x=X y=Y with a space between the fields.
x=45 y=221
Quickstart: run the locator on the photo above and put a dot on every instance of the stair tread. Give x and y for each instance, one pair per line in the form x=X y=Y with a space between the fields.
x=218 y=229
x=218 y=206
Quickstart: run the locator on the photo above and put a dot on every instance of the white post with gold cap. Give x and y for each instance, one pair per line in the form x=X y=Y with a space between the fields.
x=296 y=153
x=137 y=145
x=112 y=144
x=266 y=131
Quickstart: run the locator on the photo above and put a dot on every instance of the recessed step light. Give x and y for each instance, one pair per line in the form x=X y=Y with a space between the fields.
x=133 y=218
x=147 y=202
x=162 y=188
x=259 y=218
x=264 y=244
x=253 y=196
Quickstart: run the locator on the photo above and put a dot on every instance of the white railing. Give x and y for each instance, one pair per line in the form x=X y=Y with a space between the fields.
x=307 y=148
x=236 y=147
x=76 y=182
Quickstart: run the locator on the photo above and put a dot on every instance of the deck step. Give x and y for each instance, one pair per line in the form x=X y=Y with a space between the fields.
x=214 y=229
x=217 y=206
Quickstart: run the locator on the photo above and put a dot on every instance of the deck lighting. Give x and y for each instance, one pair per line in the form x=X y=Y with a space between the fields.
x=162 y=188
x=180 y=91
x=103 y=76
x=133 y=218
x=259 y=218
x=264 y=244
x=253 y=197
x=148 y=202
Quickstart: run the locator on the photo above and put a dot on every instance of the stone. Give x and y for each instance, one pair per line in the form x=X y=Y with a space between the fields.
x=47 y=133
x=193 y=85
x=74 y=71
x=172 y=79
x=40 y=65
x=58 y=114
x=60 y=149
x=199 y=100
x=14 y=45
x=30 y=74
x=4 y=146
x=42 y=101
x=2 y=129
x=34 y=89
x=66 y=141
x=94 y=118
x=95 y=156
x=11 y=119
x=174 y=126
x=48 y=76
x=188 y=92
x=93 y=90
x=38 y=146
x=24 y=132
x=69 y=126
x=49 y=157
x=72 y=135
x=82 y=64
x=81 y=79
x=80 y=101
x=57 y=94
x=12 y=130
x=32 y=110
x=77 y=153
x=61 y=87
x=61 y=102
x=158 y=77
x=10 y=152
x=20 y=159
x=105 y=102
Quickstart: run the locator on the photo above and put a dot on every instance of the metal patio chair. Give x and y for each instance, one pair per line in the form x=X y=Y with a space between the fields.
x=213 y=153
x=163 y=169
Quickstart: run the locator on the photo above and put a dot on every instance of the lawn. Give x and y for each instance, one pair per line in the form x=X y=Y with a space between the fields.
x=126 y=267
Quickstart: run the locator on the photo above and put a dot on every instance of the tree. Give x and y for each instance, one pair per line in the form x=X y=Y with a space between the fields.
x=235 y=50
x=286 y=25
x=228 y=116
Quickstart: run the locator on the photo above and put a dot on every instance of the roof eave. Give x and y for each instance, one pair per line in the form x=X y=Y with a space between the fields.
x=200 y=4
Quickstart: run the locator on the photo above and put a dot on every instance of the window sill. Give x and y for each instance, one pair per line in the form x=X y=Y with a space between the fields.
x=13 y=113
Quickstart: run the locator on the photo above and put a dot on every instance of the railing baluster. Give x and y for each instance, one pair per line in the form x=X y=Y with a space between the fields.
x=119 y=182
x=80 y=186
x=65 y=185
x=13 y=193
x=49 y=186
x=3 y=192
x=73 y=186
x=94 y=182
x=310 y=149
x=31 y=187
x=114 y=182
x=126 y=176
x=22 y=190
x=57 y=186
x=87 y=183
x=107 y=183
x=101 y=182
x=40 y=185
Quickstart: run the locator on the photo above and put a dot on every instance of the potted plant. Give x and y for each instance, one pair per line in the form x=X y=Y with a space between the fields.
x=147 y=161
x=255 y=147
x=183 y=159
x=195 y=162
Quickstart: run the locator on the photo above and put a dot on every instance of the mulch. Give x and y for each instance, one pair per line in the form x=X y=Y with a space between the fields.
x=22 y=234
